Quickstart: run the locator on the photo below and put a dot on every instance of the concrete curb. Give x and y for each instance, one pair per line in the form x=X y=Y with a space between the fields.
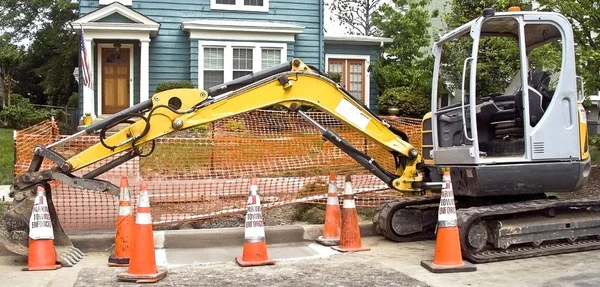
x=103 y=240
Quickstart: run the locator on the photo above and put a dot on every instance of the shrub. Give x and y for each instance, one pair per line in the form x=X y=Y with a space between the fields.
x=235 y=126
x=164 y=86
x=334 y=76
x=73 y=100
x=411 y=104
x=21 y=113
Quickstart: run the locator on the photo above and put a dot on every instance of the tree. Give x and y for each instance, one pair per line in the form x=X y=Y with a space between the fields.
x=585 y=18
x=498 y=58
x=404 y=63
x=21 y=19
x=10 y=58
x=355 y=15
x=53 y=53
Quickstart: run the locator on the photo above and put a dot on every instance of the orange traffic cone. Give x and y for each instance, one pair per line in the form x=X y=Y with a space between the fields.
x=142 y=264
x=255 y=247
x=332 y=227
x=447 y=257
x=42 y=254
x=350 y=238
x=125 y=222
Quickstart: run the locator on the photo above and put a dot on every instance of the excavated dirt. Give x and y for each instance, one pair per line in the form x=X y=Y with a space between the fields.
x=314 y=213
x=591 y=188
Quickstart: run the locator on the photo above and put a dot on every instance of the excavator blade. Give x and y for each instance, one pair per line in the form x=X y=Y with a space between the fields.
x=14 y=230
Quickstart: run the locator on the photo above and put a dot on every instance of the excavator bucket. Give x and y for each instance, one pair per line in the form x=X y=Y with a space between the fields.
x=14 y=229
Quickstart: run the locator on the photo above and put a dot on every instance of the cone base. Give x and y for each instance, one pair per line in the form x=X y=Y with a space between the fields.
x=328 y=241
x=244 y=263
x=434 y=268
x=117 y=261
x=142 y=278
x=350 y=249
x=42 y=268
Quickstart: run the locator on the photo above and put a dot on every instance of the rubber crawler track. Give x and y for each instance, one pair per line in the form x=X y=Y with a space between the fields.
x=467 y=216
x=384 y=213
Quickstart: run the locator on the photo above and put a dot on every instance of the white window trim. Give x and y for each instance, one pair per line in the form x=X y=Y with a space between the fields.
x=228 y=56
x=367 y=59
x=239 y=6
x=131 y=73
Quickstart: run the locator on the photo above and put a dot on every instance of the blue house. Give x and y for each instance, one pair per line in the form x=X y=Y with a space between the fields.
x=132 y=45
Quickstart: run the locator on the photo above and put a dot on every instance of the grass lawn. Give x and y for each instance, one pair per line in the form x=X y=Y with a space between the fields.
x=6 y=156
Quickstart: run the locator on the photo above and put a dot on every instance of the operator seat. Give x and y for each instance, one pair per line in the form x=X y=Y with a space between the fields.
x=539 y=97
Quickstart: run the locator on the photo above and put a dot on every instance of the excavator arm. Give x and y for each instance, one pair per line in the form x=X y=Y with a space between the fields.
x=292 y=85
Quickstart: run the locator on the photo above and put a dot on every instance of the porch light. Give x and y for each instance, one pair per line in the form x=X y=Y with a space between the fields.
x=117 y=47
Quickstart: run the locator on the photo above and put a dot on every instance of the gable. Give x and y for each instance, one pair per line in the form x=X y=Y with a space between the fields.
x=129 y=15
x=115 y=18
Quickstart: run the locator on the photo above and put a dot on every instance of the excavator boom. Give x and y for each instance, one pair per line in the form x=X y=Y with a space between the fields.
x=292 y=85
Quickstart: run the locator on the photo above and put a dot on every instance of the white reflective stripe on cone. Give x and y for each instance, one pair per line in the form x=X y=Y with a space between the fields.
x=349 y=203
x=125 y=210
x=254 y=222
x=332 y=200
x=40 y=224
x=143 y=218
x=125 y=194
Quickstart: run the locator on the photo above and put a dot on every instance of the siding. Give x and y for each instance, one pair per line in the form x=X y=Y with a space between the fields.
x=116 y=18
x=372 y=51
x=173 y=56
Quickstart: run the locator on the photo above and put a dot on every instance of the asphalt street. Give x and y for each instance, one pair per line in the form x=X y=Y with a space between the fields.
x=308 y=264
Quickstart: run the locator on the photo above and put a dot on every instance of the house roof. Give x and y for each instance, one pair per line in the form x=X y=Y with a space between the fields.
x=242 y=26
x=355 y=39
x=139 y=21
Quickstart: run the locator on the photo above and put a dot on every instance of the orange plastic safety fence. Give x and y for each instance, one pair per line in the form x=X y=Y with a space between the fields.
x=204 y=172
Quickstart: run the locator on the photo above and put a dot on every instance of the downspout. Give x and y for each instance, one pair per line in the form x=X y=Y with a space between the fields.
x=321 y=37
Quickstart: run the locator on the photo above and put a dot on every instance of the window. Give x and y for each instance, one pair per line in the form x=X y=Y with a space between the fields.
x=214 y=68
x=242 y=62
x=354 y=75
x=270 y=58
x=221 y=62
x=244 y=5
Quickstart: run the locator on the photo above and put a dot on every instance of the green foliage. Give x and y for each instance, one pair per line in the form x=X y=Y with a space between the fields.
x=594 y=141
x=236 y=126
x=334 y=76
x=200 y=129
x=165 y=86
x=22 y=19
x=498 y=58
x=53 y=54
x=584 y=17
x=6 y=157
x=410 y=103
x=10 y=58
x=21 y=113
x=407 y=22
x=73 y=100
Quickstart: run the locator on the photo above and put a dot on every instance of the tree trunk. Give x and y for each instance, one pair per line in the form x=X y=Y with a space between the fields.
x=7 y=86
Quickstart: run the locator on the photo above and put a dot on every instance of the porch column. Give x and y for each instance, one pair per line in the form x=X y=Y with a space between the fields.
x=144 y=69
x=88 y=93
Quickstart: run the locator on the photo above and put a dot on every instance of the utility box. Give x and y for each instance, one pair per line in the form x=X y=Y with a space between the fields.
x=593 y=116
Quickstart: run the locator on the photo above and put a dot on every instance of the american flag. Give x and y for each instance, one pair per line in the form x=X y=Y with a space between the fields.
x=85 y=63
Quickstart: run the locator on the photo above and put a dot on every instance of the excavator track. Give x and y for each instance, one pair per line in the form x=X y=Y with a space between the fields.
x=536 y=221
x=412 y=224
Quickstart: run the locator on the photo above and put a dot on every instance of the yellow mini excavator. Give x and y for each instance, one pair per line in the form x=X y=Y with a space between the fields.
x=507 y=147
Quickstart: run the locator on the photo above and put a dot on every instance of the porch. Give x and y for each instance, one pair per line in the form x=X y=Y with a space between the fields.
x=117 y=44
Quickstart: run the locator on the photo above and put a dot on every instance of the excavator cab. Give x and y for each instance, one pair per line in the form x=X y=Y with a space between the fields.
x=506 y=114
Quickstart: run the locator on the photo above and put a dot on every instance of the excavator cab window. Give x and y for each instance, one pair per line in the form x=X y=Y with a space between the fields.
x=483 y=111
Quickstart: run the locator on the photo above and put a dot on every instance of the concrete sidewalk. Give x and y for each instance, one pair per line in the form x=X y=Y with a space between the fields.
x=102 y=240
